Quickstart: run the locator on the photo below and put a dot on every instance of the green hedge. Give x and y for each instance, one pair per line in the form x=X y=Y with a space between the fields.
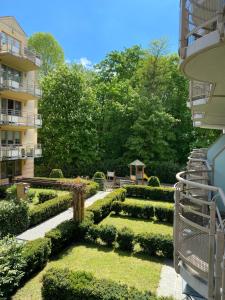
x=102 y=207
x=14 y=217
x=144 y=211
x=44 y=196
x=36 y=254
x=64 y=284
x=155 y=244
x=152 y=193
x=63 y=235
x=91 y=189
x=48 y=209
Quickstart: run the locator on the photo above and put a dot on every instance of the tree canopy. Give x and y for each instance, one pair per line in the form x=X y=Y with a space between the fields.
x=132 y=105
x=48 y=48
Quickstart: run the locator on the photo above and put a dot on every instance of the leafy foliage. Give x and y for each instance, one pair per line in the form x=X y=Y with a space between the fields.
x=56 y=173
x=153 y=181
x=49 y=49
x=11 y=266
x=65 y=284
x=14 y=217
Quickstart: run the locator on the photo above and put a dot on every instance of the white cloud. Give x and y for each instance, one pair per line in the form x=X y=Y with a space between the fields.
x=85 y=62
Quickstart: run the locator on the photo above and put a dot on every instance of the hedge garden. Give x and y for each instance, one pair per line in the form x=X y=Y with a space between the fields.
x=94 y=233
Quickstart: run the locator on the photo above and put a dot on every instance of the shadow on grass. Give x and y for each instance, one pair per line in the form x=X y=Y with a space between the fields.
x=103 y=248
x=147 y=221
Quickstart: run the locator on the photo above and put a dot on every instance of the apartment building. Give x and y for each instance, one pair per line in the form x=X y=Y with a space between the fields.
x=19 y=94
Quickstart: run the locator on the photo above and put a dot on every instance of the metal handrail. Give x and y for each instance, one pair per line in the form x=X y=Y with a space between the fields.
x=18 y=117
x=23 y=86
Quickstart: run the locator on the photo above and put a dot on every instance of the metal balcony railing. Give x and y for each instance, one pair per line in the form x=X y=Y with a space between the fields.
x=20 y=87
x=198 y=18
x=18 y=118
x=11 y=152
x=199 y=227
x=20 y=51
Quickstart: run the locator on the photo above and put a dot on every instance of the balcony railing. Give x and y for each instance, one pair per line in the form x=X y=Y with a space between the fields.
x=18 y=118
x=199 y=93
x=22 y=52
x=20 y=87
x=11 y=152
x=199 y=229
x=198 y=18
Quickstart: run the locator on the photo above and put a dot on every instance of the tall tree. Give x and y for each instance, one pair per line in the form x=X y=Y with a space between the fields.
x=69 y=113
x=49 y=49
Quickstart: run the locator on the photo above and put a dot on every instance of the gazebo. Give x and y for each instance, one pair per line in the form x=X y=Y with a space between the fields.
x=139 y=170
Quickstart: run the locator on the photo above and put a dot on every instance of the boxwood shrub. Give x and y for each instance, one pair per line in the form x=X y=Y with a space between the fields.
x=56 y=173
x=46 y=195
x=48 y=209
x=14 y=217
x=143 y=211
x=64 y=284
x=152 y=193
x=154 y=244
x=125 y=239
x=36 y=254
x=102 y=207
x=63 y=235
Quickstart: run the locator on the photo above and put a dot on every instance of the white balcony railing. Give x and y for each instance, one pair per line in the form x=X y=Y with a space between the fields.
x=199 y=229
x=198 y=18
x=12 y=152
x=22 y=52
x=18 y=118
x=20 y=87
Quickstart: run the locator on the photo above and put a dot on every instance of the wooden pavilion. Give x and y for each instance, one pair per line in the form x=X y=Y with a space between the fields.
x=137 y=171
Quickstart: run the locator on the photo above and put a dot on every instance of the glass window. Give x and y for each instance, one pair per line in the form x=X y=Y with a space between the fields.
x=3 y=170
x=10 y=140
x=3 y=138
x=18 y=168
x=17 y=138
x=3 y=38
x=18 y=108
x=10 y=106
x=4 y=104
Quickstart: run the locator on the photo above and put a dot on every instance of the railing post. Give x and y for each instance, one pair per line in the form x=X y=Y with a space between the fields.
x=219 y=260
x=177 y=197
x=211 y=255
x=223 y=278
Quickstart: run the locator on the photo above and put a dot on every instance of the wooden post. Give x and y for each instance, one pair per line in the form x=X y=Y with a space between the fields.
x=143 y=172
x=136 y=170
x=78 y=205
x=130 y=172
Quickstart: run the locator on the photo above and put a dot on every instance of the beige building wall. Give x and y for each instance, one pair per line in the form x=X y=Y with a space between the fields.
x=29 y=104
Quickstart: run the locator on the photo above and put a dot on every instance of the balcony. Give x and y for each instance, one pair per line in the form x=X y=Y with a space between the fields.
x=201 y=39
x=21 y=91
x=14 y=152
x=19 y=58
x=9 y=117
x=199 y=229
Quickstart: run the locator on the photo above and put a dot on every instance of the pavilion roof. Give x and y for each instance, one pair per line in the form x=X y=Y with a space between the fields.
x=138 y=163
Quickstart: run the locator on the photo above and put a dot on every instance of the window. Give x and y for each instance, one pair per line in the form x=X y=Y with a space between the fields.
x=11 y=74
x=3 y=170
x=18 y=168
x=10 y=138
x=3 y=38
x=11 y=107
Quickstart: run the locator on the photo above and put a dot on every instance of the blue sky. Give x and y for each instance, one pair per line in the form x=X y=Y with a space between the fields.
x=88 y=29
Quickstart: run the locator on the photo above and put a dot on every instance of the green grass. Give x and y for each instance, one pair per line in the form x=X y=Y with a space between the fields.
x=139 y=270
x=138 y=225
x=152 y=202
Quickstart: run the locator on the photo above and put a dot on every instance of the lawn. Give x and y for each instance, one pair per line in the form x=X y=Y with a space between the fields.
x=138 y=225
x=139 y=270
x=152 y=202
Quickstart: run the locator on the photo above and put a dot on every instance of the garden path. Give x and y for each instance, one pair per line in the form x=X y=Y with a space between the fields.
x=170 y=284
x=40 y=230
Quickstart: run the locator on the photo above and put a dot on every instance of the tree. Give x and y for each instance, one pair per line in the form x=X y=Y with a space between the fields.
x=69 y=112
x=48 y=48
